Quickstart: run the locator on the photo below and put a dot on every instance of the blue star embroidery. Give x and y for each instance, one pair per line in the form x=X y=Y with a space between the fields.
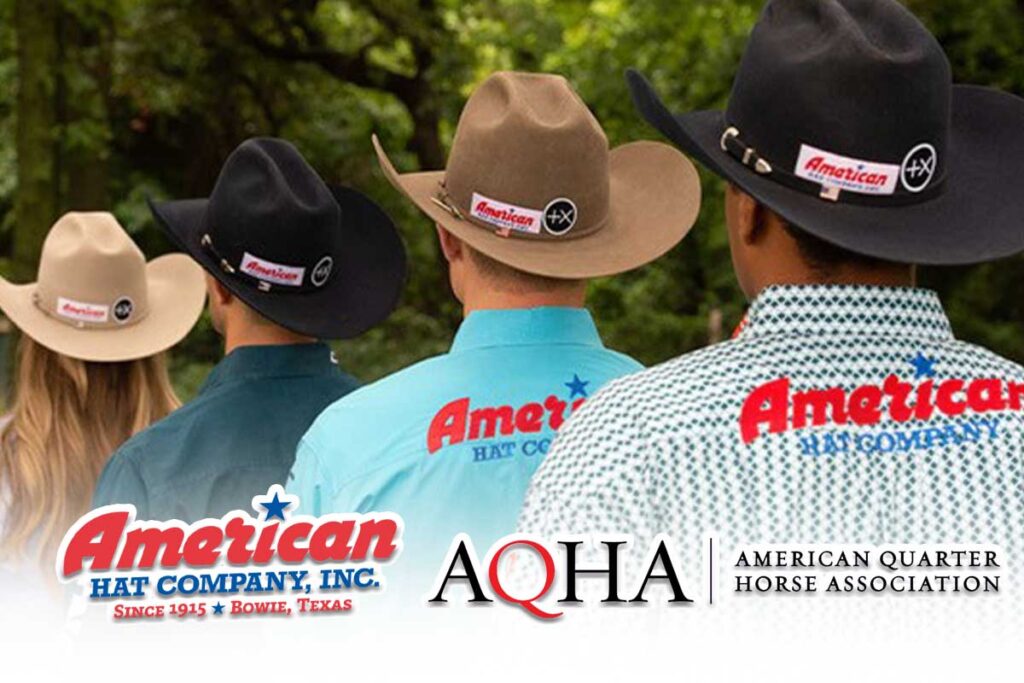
x=218 y=608
x=577 y=386
x=923 y=366
x=275 y=508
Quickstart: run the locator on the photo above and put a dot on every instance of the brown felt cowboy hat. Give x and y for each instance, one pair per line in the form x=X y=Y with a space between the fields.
x=532 y=183
x=96 y=298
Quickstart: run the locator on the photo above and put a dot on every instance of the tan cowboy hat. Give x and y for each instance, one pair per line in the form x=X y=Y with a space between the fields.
x=532 y=183
x=98 y=300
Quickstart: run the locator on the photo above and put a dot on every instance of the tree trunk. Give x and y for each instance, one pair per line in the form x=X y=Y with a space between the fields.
x=83 y=91
x=37 y=201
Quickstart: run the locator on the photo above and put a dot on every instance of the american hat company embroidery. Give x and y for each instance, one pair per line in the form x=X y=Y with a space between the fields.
x=837 y=415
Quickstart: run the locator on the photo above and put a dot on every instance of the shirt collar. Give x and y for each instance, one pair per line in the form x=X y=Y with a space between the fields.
x=847 y=310
x=526 y=326
x=273 y=360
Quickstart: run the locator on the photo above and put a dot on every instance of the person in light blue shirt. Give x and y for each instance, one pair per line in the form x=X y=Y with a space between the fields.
x=451 y=443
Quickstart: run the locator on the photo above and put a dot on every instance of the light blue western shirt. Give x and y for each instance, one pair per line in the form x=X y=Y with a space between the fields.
x=452 y=442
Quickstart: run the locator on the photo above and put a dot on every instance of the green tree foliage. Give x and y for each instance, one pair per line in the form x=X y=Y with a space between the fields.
x=152 y=95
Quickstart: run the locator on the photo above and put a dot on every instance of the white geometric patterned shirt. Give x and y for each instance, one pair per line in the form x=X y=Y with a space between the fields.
x=839 y=414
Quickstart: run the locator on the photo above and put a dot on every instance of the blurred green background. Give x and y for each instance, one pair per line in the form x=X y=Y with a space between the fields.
x=107 y=101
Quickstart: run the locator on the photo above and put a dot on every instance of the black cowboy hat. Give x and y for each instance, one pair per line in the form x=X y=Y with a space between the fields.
x=319 y=260
x=844 y=120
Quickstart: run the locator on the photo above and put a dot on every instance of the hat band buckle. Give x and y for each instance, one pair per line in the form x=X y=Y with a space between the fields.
x=733 y=144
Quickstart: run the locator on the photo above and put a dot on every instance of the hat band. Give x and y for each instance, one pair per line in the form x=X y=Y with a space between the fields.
x=268 y=276
x=557 y=221
x=83 y=315
x=736 y=147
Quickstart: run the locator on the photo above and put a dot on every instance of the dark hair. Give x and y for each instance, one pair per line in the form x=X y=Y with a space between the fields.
x=514 y=280
x=824 y=257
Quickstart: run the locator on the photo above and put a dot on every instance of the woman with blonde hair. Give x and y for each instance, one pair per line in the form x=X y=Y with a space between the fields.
x=90 y=374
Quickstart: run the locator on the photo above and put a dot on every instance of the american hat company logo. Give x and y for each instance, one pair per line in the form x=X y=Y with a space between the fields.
x=290 y=276
x=920 y=414
x=459 y=421
x=81 y=311
x=505 y=216
x=235 y=566
x=846 y=173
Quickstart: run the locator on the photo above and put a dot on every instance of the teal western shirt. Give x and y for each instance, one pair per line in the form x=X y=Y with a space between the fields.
x=233 y=441
x=451 y=443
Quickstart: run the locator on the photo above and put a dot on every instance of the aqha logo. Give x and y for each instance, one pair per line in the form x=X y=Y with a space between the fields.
x=553 y=573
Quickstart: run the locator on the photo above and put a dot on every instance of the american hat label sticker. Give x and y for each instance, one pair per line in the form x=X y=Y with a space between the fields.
x=268 y=271
x=80 y=311
x=846 y=173
x=506 y=216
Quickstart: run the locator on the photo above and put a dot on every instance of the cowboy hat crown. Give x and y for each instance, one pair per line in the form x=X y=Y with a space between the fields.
x=532 y=183
x=844 y=120
x=320 y=260
x=271 y=220
x=825 y=79
x=491 y=166
x=97 y=299
x=91 y=274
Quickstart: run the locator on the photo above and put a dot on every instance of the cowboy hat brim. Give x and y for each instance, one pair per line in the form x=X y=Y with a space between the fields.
x=977 y=218
x=655 y=199
x=366 y=282
x=176 y=295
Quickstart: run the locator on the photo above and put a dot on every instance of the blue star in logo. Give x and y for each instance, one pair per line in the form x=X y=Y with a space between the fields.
x=923 y=366
x=275 y=507
x=218 y=608
x=577 y=386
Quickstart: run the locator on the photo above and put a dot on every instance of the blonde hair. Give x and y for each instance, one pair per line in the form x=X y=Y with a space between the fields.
x=68 y=417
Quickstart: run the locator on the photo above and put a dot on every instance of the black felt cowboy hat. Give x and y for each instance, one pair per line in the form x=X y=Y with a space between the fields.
x=844 y=120
x=319 y=260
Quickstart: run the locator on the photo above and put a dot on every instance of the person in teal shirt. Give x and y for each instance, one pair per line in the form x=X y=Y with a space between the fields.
x=289 y=261
x=451 y=443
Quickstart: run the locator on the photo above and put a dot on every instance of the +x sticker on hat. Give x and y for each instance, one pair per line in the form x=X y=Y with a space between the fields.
x=844 y=120
x=320 y=260
x=531 y=182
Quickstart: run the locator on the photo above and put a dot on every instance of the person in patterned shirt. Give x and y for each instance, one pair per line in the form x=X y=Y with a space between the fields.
x=845 y=410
